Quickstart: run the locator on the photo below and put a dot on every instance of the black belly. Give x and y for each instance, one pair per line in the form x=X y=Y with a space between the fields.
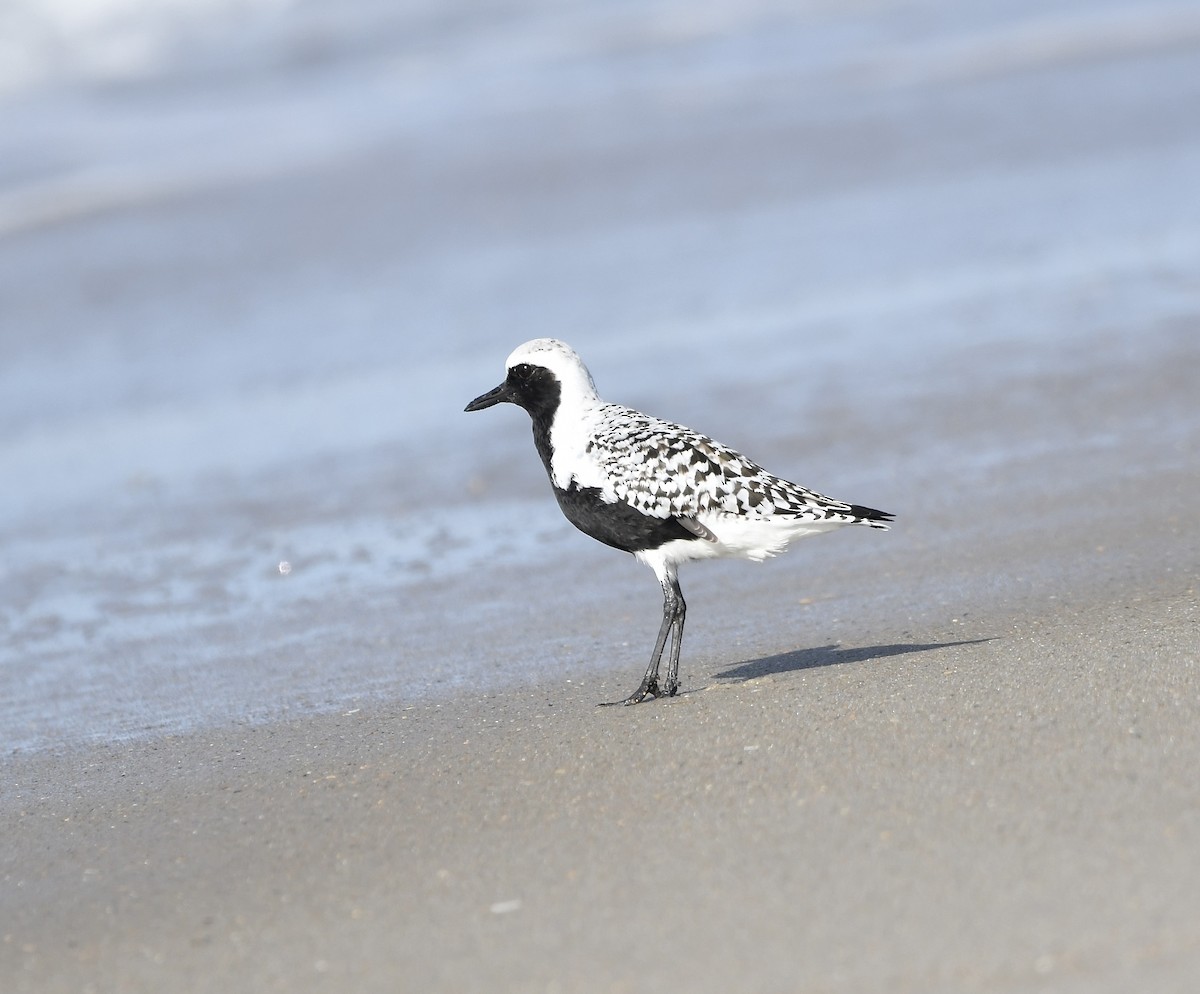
x=619 y=525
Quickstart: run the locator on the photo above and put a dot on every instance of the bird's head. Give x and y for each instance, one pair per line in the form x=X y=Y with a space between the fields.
x=541 y=375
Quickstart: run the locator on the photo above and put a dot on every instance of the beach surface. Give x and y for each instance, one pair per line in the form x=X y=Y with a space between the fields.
x=300 y=664
x=991 y=796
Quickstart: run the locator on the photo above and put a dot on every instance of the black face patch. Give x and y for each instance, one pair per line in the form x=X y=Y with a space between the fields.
x=537 y=390
x=534 y=388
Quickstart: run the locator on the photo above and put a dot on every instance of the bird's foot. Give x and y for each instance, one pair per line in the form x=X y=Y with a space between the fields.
x=648 y=689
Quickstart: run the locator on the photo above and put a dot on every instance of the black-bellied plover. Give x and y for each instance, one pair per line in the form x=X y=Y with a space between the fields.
x=663 y=492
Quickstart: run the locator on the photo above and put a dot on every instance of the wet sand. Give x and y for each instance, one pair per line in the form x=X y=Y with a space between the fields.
x=956 y=757
x=917 y=812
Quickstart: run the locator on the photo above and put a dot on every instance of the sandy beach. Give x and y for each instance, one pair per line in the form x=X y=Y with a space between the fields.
x=968 y=763
x=300 y=664
x=947 y=814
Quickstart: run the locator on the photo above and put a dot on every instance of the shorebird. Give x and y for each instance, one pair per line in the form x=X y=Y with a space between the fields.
x=659 y=490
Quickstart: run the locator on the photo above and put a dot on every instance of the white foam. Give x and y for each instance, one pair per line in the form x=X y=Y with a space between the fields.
x=51 y=41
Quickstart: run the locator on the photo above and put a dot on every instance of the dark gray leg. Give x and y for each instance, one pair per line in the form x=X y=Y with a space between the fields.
x=674 y=610
x=671 y=686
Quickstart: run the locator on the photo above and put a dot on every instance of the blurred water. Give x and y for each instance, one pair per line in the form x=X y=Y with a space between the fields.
x=255 y=257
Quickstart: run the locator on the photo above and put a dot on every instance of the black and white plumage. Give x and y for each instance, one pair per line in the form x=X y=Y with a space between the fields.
x=659 y=490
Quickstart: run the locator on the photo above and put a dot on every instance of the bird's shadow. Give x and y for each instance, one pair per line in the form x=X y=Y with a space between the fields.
x=828 y=655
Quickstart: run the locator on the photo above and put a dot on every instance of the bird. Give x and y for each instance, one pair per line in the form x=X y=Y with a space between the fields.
x=661 y=491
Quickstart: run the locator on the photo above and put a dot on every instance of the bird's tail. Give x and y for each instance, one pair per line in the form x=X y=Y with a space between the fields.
x=870 y=517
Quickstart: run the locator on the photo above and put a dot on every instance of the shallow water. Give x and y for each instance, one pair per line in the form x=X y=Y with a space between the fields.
x=247 y=289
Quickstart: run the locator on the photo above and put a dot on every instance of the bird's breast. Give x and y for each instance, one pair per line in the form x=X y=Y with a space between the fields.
x=616 y=523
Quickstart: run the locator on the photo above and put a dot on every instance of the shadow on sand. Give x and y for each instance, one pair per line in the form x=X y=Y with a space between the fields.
x=828 y=655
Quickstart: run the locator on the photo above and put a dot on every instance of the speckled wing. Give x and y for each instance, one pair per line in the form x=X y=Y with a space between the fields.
x=666 y=470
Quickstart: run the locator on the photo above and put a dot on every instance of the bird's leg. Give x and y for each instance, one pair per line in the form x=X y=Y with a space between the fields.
x=671 y=685
x=672 y=614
